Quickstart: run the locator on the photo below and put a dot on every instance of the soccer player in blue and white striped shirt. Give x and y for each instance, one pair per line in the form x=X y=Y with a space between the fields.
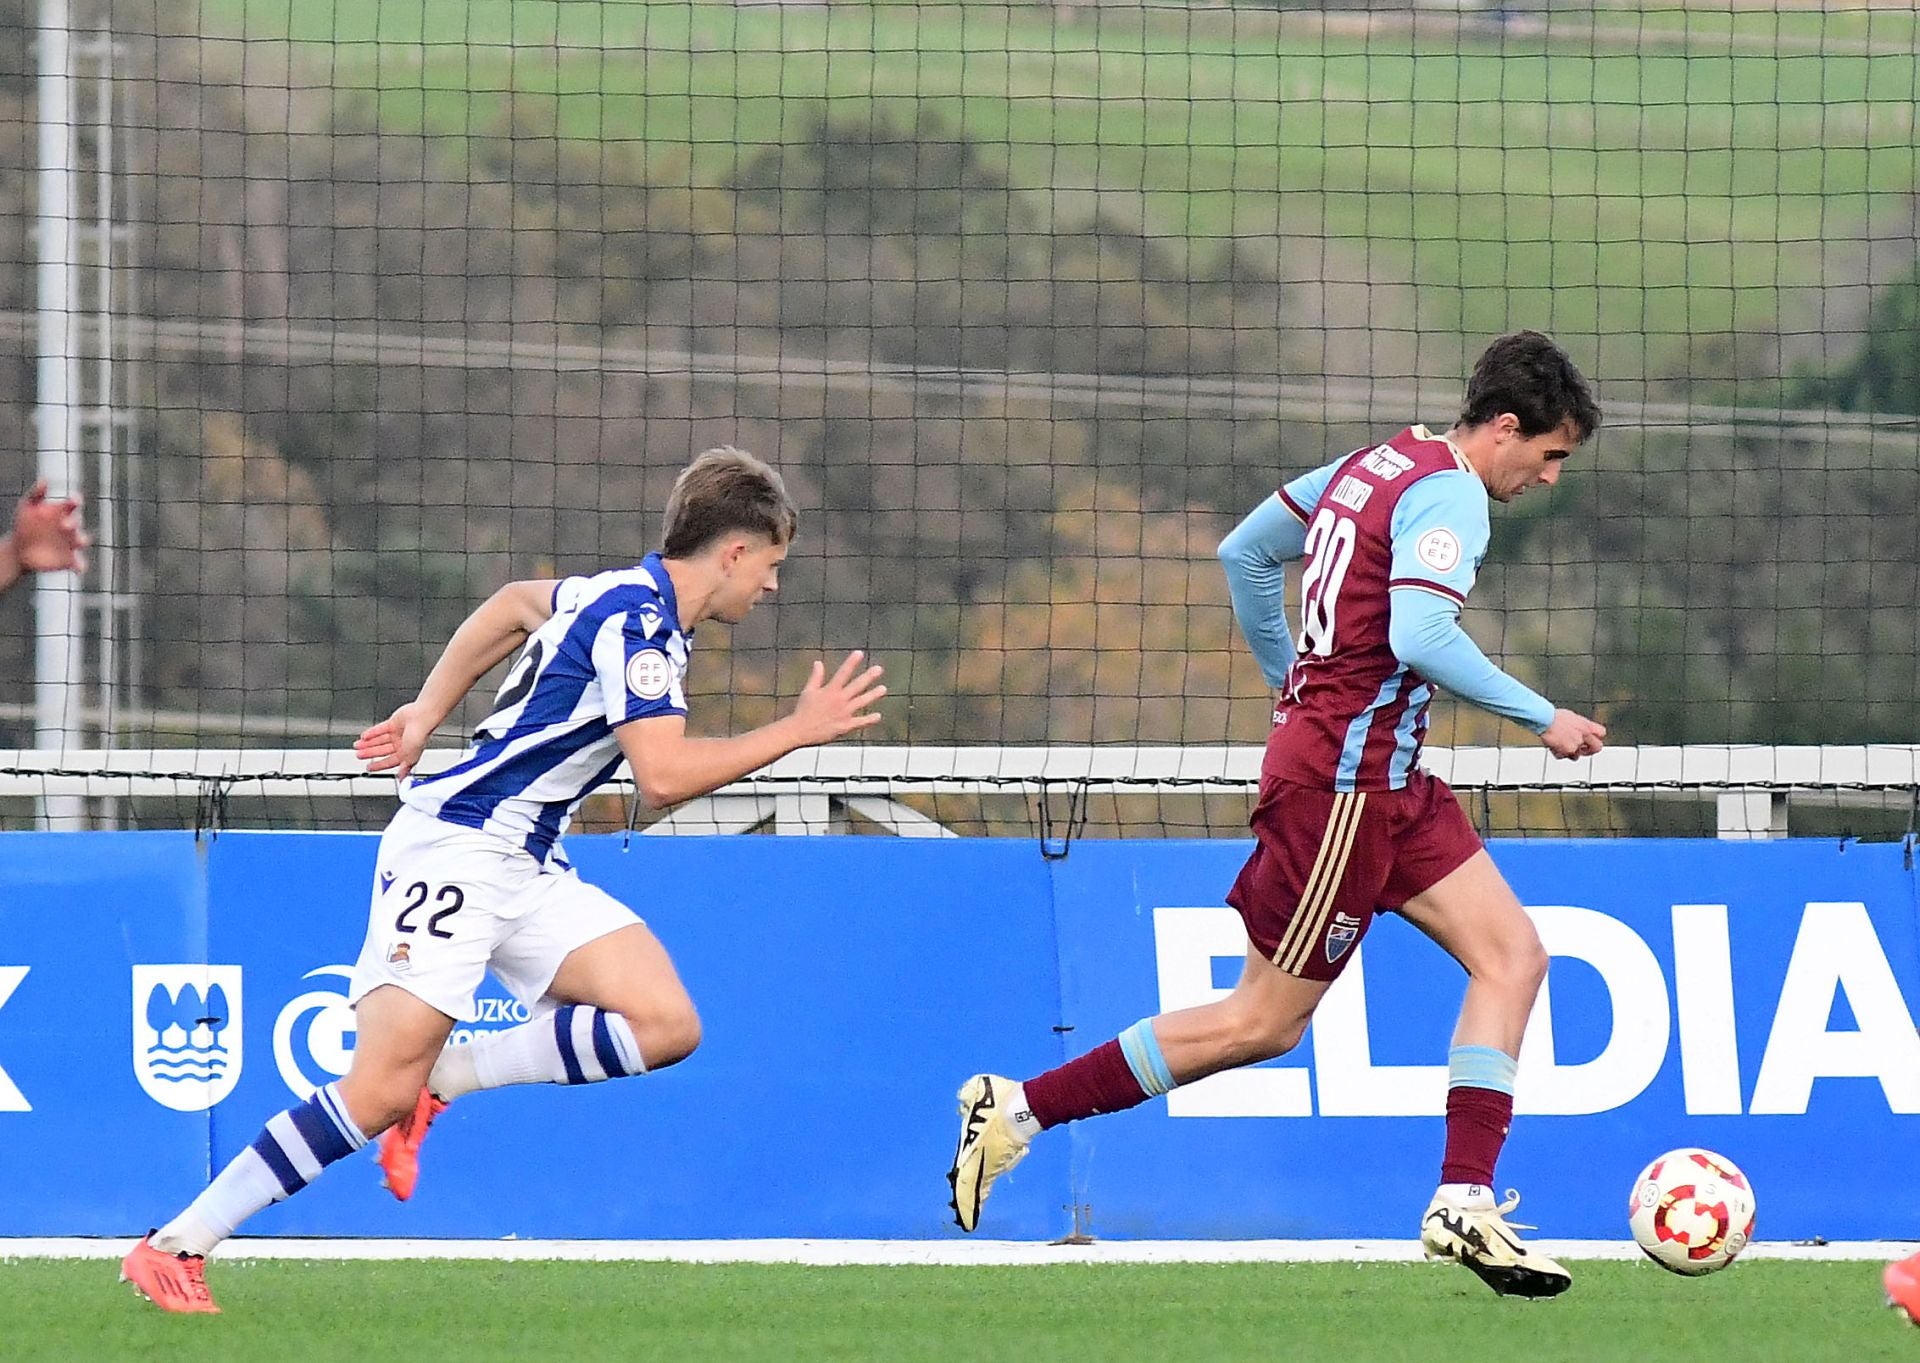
x=471 y=873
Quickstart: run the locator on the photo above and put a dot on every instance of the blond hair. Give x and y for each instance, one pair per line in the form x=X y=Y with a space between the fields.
x=724 y=490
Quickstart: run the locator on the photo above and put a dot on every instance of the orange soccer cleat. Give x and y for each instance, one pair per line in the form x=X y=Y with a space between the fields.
x=172 y=1282
x=1902 y=1282
x=400 y=1145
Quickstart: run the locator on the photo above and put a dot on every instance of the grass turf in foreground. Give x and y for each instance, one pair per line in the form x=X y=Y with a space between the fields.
x=431 y=1310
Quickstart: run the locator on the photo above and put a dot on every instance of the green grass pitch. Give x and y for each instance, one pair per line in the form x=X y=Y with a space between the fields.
x=1353 y=1313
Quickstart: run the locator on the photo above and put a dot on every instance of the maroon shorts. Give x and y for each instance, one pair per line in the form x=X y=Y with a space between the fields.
x=1324 y=862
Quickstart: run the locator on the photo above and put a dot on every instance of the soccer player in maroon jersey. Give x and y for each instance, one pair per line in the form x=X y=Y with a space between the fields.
x=1347 y=823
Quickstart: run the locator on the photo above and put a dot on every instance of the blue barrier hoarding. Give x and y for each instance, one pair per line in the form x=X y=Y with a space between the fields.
x=1754 y=998
x=160 y=998
x=839 y=982
x=86 y=1143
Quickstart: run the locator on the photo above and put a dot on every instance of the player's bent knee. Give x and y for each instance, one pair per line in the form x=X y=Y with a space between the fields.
x=1535 y=965
x=680 y=1038
x=1524 y=963
x=1515 y=967
x=666 y=1035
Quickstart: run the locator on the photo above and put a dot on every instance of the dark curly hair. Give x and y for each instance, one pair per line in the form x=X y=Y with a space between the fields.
x=1527 y=374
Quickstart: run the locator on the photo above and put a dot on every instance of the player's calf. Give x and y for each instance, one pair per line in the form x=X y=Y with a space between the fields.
x=1247 y=1035
x=575 y=1044
x=382 y=1102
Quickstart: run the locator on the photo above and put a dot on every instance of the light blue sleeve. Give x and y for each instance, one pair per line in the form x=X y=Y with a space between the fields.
x=1440 y=532
x=1255 y=555
x=1303 y=494
x=1424 y=631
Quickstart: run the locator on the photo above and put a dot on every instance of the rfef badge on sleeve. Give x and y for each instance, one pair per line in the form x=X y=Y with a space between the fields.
x=649 y=674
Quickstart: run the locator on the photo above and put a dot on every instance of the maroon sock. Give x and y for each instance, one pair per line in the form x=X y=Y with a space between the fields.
x=1099 y=1081
x=1477 y=1122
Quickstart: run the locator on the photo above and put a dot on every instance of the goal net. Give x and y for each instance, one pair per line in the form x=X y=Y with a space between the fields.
x=343 y=315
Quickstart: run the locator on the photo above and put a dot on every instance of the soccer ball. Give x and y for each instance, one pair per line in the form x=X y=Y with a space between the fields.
x=1691 y=1211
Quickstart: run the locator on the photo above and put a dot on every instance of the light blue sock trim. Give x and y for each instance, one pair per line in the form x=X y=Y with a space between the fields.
x=1149 y=1066
x=1481 y=1067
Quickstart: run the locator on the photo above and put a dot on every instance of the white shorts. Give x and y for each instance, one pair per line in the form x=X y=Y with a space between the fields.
x=448 y=902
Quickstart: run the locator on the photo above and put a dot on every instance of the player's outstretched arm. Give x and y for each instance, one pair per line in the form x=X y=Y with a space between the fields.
x=1424 y=632
x=46 y=537
x=500 y=625
x=669 y=767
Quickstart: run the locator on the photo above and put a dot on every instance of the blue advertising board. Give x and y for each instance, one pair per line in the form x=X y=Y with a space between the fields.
x=1753 y=998
x=161 y=997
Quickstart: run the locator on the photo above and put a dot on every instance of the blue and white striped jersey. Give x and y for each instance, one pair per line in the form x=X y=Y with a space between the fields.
x=613 y=651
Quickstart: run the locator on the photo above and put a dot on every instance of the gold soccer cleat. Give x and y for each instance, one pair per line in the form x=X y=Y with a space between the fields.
x=1480 y=1238
x=988 y=1147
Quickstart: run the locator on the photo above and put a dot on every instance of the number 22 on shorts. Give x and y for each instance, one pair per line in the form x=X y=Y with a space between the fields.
x=450 y=899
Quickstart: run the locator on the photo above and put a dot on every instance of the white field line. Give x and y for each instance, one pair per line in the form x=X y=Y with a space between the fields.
x=943 y=1253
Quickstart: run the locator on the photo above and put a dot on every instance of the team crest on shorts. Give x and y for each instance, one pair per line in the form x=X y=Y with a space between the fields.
x=401 y=957
x=1341 y=936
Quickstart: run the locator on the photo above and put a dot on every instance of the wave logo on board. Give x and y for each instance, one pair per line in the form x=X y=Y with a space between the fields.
x=187 y=1033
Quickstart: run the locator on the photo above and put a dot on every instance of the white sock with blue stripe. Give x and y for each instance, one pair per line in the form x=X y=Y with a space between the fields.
x=285 y=1157
x=573 y=1045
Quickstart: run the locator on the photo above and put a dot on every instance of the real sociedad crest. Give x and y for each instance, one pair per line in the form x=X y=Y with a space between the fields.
x=186 y=1033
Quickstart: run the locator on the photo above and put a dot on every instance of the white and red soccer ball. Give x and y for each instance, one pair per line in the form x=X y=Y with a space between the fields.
x=1691 y=1211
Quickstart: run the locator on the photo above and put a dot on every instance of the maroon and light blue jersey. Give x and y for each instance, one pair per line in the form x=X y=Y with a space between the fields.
x=1407 y=515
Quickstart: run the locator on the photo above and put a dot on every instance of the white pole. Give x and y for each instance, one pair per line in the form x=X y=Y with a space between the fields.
x=58 y=624
x=105 y=412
